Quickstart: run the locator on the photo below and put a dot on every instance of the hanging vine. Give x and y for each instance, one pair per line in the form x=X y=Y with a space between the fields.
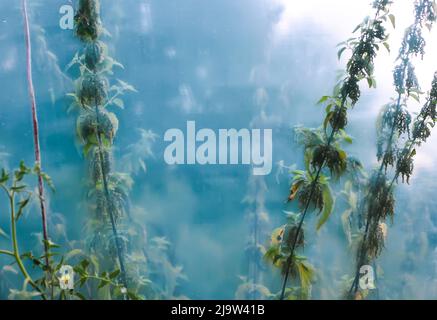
x=394 y=123
x=324 y=157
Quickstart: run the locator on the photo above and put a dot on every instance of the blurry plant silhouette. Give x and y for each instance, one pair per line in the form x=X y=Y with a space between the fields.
x=253 y=279
x=251 y=287
x=113 y=234
x=396 y=122
x=14 y=186
x=96 y=129
x=324 y=157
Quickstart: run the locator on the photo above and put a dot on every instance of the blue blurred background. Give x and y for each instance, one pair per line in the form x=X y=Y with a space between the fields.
x=224 y=64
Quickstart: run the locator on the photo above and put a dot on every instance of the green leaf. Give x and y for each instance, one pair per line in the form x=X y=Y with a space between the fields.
x=415 y=97
x=73 y=95
x=79 y=295
x=369 y=82
x=49 y=182
x=142 y=165
x=126 y=86
x=3 y=234
x=323 y=99
x=308 y=157
x=306 y=273
x=103 y=283
x=73 y=253
x=347 y=138
x=73 y=61
x=45 y=177
x=392 y=20
x=21 y=205
x=21 y=172
x=356 y=28
x=82 y=281
x=114 y=274
x=346 y=225
x=387 y=46
x=18 y=188
x=118 y=102
x=133 y=296
x=4 y=177
x=328 y=204
x=340 y=52
x=84 y=263
x=87 y=148
x=51 y=244
x=327 y=119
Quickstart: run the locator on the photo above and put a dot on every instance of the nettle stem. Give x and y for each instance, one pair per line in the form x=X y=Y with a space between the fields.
x=335 y=128
x=362 y=253
x=307 y=204
x=16 y=252
x=406 y=57
x=36 y=136
x=109 y=204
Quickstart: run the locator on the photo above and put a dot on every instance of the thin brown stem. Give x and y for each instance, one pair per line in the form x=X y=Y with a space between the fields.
x=36 y=133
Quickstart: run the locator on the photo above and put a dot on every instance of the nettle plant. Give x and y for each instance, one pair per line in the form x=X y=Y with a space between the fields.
x=113 y=234
x=17 y=192
x=398 y=136
x=324 y=156
x=53 y=281
x=257 y=218
x=112 y=238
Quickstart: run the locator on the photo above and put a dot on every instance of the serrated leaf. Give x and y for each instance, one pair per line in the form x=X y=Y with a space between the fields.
x=328 y=204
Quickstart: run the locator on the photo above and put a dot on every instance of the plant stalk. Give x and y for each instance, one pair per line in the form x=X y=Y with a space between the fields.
x=330 y=139
x=109 y=202
x=36 y=134
x=16 y=252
